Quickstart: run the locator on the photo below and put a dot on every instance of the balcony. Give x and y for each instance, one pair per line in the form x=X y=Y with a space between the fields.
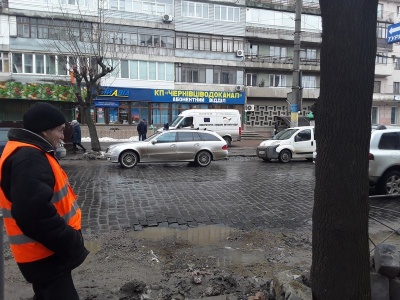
x=280 y=63
x=258 y=33
x=278 y=92
x=383 y=69
x=386 y=16
x=384 y=97
x=310 y=7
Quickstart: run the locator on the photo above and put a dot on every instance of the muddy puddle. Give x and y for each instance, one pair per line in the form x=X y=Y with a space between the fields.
x=215 y=246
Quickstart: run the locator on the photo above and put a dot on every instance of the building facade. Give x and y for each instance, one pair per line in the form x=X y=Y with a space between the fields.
x=172 y=55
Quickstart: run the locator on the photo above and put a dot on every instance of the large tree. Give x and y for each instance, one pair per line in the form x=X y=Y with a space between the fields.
x=340 y=258
x=87 y=48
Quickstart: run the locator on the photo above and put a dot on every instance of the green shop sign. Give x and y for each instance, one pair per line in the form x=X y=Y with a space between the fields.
x=37 y=91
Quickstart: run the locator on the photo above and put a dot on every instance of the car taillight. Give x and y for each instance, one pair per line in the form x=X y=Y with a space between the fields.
x=240 y=131
x=371 y=156
x=225 y=147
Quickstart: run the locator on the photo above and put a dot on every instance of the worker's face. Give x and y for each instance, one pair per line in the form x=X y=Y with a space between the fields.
x=54 y=136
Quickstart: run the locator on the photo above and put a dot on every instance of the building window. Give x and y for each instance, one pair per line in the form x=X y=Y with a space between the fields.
x=377 y=86
x=77 y=2
x=195 y=9
x=4 y=62
x=380 y=11
x=394 y=115
x=153 y=7
x=381 y=30
x=374 y=115
x=396 y=88
x=308 y=54
x=278 y=53
x=381 y=58
x=226 y=13
x=53 y=29
x=277 y=80
x=251 y=79
x=309 y=82
x=397 y=63
x=204 y=42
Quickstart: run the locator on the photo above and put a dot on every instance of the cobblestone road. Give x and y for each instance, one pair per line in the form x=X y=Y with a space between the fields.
x=242 y=192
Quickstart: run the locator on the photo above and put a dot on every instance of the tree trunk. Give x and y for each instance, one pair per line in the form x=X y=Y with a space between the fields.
x=340 y=258
x=95 y=143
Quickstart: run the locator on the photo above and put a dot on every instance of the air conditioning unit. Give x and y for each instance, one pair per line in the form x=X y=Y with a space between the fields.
x=240 y=53
x=167 y=18
x=239 y=88
x=249 y=107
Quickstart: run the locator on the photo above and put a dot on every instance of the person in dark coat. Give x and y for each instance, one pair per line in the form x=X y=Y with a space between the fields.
x=76 y=136
x=142 y=130
x=40 y=211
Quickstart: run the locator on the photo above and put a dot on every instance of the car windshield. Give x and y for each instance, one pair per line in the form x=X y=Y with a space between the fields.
x=153 y=136
x=285 y=134
x=176 y=121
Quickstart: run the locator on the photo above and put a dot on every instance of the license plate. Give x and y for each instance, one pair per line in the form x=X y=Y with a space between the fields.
x=261 y=152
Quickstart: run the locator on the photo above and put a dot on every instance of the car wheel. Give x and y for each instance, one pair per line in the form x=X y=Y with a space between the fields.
x=228 y=141
x=389 y=183
x=203 y=158
x=128 y=159
x=285 y=156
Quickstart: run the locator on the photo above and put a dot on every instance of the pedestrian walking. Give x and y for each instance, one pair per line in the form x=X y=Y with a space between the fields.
x=142 y=130
x=40 y=211
x=76 y=136
x=275 y=129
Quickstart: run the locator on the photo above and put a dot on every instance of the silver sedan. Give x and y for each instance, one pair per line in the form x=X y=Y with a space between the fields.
x=200 y=147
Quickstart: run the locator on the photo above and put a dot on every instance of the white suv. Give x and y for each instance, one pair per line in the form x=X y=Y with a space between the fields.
x=384 y=161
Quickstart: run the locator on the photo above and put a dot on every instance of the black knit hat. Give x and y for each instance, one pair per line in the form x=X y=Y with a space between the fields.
x=43 y=116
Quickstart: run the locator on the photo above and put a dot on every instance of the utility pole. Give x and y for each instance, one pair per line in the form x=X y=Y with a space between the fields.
x=296 y=95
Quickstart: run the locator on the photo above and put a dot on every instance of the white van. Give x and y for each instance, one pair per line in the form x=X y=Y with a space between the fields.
x=296 y=142
x=226 y=122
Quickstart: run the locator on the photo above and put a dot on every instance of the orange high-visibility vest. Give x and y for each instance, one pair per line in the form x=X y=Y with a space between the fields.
x=24 y=248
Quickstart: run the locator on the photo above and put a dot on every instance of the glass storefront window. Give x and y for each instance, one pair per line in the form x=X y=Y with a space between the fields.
x=100 y=115
x=113 y=115
x=123 y=112
x=159 y=114
x=139 y=111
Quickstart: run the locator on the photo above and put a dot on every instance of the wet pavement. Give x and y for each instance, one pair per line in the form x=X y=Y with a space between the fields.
x=242 y=192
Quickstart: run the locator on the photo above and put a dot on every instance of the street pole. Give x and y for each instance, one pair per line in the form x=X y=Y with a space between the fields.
x=296 y=88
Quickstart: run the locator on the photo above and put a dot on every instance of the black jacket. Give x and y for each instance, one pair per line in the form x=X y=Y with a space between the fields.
x=28 y=182
x=142 y=127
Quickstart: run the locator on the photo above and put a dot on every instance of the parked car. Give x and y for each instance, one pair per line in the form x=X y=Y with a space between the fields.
x=198 y=146
x=60 y=151
x=3 y=138
x=296 y=142
x=384 y=161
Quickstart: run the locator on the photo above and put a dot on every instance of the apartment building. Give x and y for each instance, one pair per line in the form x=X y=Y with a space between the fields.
x=172 y=55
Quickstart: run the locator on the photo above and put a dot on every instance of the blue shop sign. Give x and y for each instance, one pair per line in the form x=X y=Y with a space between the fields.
x=172 y=96
x=198 y=97
x=106 y=103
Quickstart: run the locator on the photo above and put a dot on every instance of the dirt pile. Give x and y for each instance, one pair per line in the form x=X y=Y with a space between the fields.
x=166 y=264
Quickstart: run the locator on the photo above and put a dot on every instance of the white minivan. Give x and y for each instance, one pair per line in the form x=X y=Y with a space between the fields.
x=296 y=142
x=225 y=122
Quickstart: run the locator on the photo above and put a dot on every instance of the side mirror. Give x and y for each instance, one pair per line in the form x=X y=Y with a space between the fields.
x=154 y=141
